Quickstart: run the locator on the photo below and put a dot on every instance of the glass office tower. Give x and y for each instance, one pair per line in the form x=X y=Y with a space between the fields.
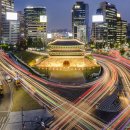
x=105 y=32
x=35 y=22
x=80 y=21
x=121 y=35
x=5 y=6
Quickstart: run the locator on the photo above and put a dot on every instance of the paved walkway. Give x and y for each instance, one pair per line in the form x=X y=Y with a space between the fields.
x=31 y=119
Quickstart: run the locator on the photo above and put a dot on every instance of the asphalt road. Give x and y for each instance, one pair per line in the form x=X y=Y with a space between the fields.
x=76 y=114
x=5 y=101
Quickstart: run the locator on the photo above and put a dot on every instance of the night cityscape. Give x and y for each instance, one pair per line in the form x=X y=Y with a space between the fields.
x=64 y=65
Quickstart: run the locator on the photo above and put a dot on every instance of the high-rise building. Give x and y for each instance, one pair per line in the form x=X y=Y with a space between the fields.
x=35 y=22
x=104 y=32
x=14 y=32
x=5 y=6
x=22 y=23
x=121 y=35
x=99 y=34
x=128 y=30
x=80 y=21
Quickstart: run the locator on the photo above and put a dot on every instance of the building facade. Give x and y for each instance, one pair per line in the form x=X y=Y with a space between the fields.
x=14 y=32
x=99 y=34
x=80 y=21
x=121 y=35
x=128 y=30
x=67 y=61
x=66 y=48
x=104 y=33
x=112 y=30
x=22 y=23
x=35 y=22
x=5 y=6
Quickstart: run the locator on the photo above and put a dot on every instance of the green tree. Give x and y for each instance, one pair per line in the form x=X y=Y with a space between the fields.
x=111 y=45
x=92 y=44
x=128 y=41
x=39 y=43
x=116 y=45
x=22 y=44
x=29 y=42
x=4 y=46
x=122 y=51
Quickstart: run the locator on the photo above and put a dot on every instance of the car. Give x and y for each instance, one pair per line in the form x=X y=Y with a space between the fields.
x=17 y=82
x=8 y=78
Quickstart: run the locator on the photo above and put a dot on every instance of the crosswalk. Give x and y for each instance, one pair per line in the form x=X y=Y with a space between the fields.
x=3 y=119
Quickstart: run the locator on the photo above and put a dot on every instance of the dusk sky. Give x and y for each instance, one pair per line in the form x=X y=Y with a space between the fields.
x=59 y=11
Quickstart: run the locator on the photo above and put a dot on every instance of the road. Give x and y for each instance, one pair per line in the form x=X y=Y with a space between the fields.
x=124 y=72
x=5 y=101
x=69 y=115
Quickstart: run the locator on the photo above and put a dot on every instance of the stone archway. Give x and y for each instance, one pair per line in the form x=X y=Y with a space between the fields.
x=66 y=63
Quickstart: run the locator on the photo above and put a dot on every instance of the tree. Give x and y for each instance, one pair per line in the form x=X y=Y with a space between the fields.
x=111 y=45
x=92 y=44
x=22 y=44
x=39 y=43
x=35 y=42
x=128 y=41
x=116 y=45
x=29 y=42
x=4 y=46
x=122 y=51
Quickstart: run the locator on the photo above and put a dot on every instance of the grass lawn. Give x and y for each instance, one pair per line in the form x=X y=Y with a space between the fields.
x=90 y=71
x=22 y=99
x=27 y=57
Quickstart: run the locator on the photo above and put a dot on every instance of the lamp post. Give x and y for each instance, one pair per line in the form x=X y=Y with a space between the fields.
x=22 y=118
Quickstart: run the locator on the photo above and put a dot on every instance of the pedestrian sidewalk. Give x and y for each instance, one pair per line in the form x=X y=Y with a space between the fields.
x=31 y=120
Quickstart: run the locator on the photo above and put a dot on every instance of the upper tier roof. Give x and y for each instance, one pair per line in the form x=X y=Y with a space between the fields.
x=67 y=42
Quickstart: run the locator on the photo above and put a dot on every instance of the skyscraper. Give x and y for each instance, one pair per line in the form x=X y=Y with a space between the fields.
x=80 y=21
x=22 y=23
x=121 y=35
x=5 y=6
x=128 y=30
x=35 y=22
x=107 y=29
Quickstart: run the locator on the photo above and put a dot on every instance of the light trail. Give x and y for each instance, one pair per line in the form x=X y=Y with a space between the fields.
x=51 y=97
x=71 y=115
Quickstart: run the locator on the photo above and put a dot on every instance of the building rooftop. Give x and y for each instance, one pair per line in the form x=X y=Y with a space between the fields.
x=66 y=42
x=33 y=7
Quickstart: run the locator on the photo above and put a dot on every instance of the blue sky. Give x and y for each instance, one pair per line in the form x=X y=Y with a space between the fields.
x=59 y=11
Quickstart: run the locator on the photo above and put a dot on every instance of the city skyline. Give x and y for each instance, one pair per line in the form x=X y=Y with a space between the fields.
x=54 y=15
x=59 y=79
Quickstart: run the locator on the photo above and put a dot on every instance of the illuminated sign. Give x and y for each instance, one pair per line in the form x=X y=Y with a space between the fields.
x=11 y=16
x=43 y=18
x=97 y=18
x=40 y=28
x=70 y=34
x=118 y=15
x=49 y=35
x=29 y=7
x=77 y=6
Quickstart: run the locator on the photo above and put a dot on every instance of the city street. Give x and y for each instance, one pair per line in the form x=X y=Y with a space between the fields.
x=66 y=111
x=64 y=65
x=5 y=100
